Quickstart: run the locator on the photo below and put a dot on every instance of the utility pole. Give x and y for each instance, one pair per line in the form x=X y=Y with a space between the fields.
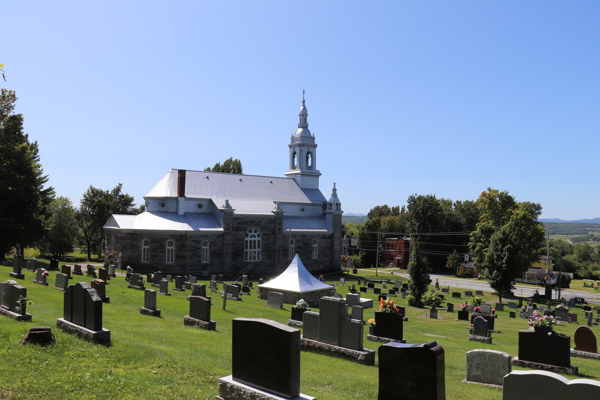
x=377 y=259
x=559 y=273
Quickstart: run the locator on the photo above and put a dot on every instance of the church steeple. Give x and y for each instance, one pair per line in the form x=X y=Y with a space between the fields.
x=303 y=153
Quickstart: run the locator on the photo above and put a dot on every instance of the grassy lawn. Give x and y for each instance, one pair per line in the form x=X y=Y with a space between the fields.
x=160 y=358
x=578 y=285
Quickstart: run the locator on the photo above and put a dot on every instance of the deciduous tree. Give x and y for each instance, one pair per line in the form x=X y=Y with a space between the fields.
x=229 y=166
x=418 y=272
x=61 y=227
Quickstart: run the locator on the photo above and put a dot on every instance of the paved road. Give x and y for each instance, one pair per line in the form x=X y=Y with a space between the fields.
x=520 y=290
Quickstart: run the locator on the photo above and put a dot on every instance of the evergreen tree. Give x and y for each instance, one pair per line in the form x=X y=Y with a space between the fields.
x=419 y=276
x=24 y=199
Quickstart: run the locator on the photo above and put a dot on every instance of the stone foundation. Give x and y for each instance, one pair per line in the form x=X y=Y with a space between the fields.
x=585 y=354
x=295 y=324
x=480 y=339
x=207 y=325
x=373 y=338
x=152 y=313
x=572 y=370
x=98 y=337
x=232 y=390
x=15 y=316
x=364 y=356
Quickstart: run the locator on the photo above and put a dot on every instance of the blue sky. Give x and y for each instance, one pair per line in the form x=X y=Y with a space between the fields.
x=404 y=97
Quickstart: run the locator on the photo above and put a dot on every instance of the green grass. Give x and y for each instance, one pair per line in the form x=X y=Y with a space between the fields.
x=160 y=358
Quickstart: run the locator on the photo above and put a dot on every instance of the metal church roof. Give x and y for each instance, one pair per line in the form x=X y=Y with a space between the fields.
x=165 y=221
x=296 y=278
x=247 y=194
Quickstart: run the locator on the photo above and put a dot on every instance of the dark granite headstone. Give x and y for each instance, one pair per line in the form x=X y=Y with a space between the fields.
x=179 y=283
x=331 y=311
x=363 y=289
x=103 y=274
x=199 y=289
x=164 y=287
x=376 y=290
x=463 y=315
x=83 y=306
x=411 y=372
x=91 y=271
x=200 y=307
x=77 y=295
x=66 y=269
x=220 y=278
x=150 y=299
x=585 y=340
x=266 y=355
x=480 y=327
x=77 y=269
x=512 y=314
x=310 y=325
x=389 y=325
x=100 y=287
x=352 y=333
x=370 y=285
x=456 y=295
x=449 y=307
x=534 y=347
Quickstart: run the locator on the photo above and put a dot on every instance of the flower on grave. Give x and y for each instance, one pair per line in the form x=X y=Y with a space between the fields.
x=493 y=311
x=21 y=301
x=45 y=273
x=388 y=306
x=30 y=303
x=543 y=323
x=476 y=308
x=371 y=321
x=301 y=304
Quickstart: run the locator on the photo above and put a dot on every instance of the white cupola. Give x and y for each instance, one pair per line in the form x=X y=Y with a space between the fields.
x=303 y=153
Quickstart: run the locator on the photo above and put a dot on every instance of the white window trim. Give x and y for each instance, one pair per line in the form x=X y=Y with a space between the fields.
x=146 y=250
x=252 y=246
x=167 y=248
x=205 y=252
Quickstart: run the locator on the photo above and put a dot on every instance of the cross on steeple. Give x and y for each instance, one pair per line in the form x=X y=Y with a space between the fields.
x=303 y=91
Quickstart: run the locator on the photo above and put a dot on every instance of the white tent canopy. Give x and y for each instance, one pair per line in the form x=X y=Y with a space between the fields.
x=296 y=278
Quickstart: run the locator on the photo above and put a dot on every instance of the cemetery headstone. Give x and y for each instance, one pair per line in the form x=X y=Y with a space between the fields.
x=456 y=295
x=445 y=290
x=91 y=271
x=544 y=385
x=100 y=287
x=246 y=290
x=533 y=348
x=468 y=293
x=462 y=315
x=220 y=278
x=499 y=307
x=150 y=304
x=585 y=340
x=17 y=268
x=449 y=307
x=199 y=289
x=388 y=326
x=480 y=331
x=377 y=290
x=275 y=300
x=13 y=301
x=358 y=312
x=77 y=269
x=199 y=316
x=136 y=282
x=232 y=292
x=479 y=292
x=512 y=304
x=265 y=358
x=112 y=270
x=41 y=277
x=164 y=287
x=411 y=371
x=179 y=284
x=103 y=274
x=512 y=314
x=572 y=318
x=561 y=314
x=487 y=366
x=170 y=278
x=66 y=269
x=485 y=308
x=83 y=314
x=62 y=281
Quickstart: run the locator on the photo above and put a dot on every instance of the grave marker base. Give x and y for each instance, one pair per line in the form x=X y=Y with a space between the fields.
x=164 y=294
x=41 y=283
x=179 y=290
x=14 y=315
x=152 y=313
x=572 y=370
x=230 y=297
x=136 y=287
x=156 y=285
x=480 y=339
x=382 y=339
x=364 y=356
x=59 y=288
x=585 y=354
x=77 y=273
x=232 y=390
x=295 y=324
x=207 y=325
x=17 y=276
x=91 y=275
x=98 y=337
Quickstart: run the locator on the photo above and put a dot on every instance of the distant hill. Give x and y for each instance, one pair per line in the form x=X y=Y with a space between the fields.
x=577 y=221
x=353 y=219
x=354 y=215
x=571 y=228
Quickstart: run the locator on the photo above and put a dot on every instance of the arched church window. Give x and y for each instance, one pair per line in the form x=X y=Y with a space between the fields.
x=145 y=251
x=205 y=251
x=294 y=160
x=309 y=160
x=170 y=252
x=252 y=245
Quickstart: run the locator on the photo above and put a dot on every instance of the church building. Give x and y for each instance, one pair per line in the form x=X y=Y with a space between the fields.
x=207 y=223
